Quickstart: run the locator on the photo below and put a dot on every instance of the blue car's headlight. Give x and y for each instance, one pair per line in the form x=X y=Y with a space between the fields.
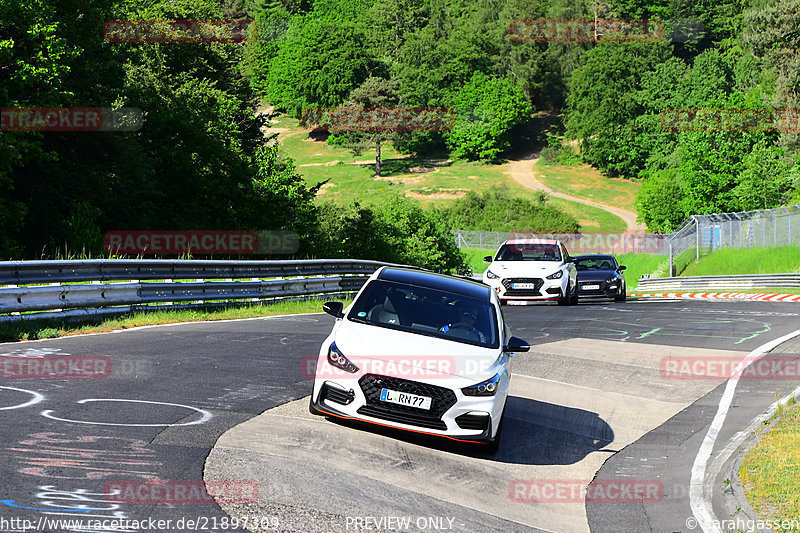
x=337 y=359
x=491 y=275
x=556 y=275
x=484 y=388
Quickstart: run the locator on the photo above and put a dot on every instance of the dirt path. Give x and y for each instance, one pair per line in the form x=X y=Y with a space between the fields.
x=521 y=170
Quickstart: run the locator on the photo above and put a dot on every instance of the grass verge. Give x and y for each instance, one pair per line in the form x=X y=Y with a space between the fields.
x=780 y=260
x=638 y=264
x=45 y=329
x=475 y=258
x=771 y=290
x=771 y=471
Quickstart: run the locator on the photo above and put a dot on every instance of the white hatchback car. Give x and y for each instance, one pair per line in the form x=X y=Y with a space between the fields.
x=421 y=352
x=532 y=269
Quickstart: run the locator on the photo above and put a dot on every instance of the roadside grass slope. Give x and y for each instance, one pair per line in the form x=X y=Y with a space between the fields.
x=779 y=260
x=769 y=472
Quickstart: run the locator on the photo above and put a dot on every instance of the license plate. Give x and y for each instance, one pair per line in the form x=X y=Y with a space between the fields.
x=523 y=285
x=404 y=398
x=590 y=287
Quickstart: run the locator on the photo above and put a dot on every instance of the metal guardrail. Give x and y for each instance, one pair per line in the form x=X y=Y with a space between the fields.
x=97 y=287
x=732 y=282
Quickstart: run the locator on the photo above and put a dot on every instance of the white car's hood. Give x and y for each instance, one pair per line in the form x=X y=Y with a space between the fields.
x=375 y=347
x=535 y=269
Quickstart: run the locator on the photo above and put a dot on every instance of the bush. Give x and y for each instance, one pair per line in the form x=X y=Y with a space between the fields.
x=497 y=210
x=549 y=155
x=397 y=231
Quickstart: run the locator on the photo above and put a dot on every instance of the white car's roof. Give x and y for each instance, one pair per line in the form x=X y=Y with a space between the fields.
x=532 y=241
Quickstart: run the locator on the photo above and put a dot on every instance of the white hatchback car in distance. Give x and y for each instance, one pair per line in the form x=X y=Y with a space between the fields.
x=532 y=269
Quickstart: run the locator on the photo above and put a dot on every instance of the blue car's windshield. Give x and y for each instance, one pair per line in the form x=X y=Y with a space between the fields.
x=428 y=312
x=595 y=263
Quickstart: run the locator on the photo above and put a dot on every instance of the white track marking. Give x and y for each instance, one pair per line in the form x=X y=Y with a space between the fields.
x=36 y=398
x=701 y=507
x=205 y=418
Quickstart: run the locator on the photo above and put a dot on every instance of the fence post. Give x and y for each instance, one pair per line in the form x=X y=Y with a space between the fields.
x=739 y=228
x=774 y=229
x=697 y=236
x=671 y=266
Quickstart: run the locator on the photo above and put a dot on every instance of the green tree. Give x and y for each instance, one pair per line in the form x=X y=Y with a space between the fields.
x=379 y=94
x=603 y=102
x=659 y=201
x=486 y=112
x=767 y=179
x=321 y=58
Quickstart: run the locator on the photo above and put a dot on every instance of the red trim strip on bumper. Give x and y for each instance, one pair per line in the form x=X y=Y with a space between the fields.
x=395 y=427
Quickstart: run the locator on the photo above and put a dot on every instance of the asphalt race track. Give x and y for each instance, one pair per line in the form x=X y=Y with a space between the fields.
x=593 y=385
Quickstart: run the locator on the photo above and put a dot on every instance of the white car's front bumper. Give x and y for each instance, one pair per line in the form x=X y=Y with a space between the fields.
x=358 y=399
x=550 y=289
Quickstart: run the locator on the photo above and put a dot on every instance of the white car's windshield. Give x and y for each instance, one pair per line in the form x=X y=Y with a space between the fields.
x=428 y=312
x=528 y=252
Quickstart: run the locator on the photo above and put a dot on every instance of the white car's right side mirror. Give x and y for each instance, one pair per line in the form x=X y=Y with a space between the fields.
x=515 y=344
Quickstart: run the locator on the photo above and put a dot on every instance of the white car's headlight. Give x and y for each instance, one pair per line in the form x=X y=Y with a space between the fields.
x=491 y=275
x=484 y=388
x=556 y=275
x=337 y=359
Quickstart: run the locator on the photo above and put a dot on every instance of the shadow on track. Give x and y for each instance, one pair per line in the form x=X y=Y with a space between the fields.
x=534 y=433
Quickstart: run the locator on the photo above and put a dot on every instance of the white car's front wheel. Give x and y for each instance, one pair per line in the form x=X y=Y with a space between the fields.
x=494 y=445
x=570 y=297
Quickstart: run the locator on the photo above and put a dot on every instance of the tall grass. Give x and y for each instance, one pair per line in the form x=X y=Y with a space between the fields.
x=639 y=264
x=780 y=260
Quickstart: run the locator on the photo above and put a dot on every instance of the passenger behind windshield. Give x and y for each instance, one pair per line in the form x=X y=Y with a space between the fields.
x=529 y=252
x=584 y=265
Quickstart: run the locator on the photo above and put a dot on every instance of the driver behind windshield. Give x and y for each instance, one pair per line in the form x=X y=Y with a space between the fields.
x=466 y=317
